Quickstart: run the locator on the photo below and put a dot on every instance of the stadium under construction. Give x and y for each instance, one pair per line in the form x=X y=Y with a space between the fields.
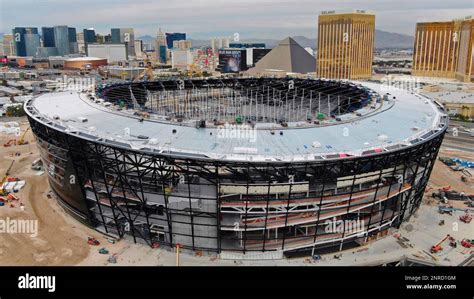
x=240 y=166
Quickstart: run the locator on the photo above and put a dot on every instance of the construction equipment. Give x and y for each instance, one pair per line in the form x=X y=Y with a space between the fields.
x=457 y=163
x=37 y=165
x=464 y=163
x=467 y=243
x=316 y=257
x=112 y=259
x=178 y=246
x=12 y=197
x=10 y=143
x=147 y=74
x=445 y=193
x=103 y=250
x=93 y=241
x=466 y=218
x=5 y=177
x=467 y=173
x=438 y=247
x=142 y=114
x=194 y=71
x=22 y=141
x=447 y=161
x=449 y=210
x=445 y=210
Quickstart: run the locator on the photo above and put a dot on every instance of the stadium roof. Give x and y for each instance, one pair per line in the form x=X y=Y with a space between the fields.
x=289 y=57
x=405 y=120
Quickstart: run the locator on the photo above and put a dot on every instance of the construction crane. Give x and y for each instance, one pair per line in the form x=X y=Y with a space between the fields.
x=449 y=210
x=194 y=70
x=438 y=247
x=22 y=141
x=147 y=74
x=5 y=177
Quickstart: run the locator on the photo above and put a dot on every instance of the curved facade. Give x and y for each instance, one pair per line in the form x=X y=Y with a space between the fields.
x=244 y=201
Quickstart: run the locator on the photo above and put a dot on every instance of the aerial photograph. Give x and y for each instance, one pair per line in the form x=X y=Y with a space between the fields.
x=232 y=142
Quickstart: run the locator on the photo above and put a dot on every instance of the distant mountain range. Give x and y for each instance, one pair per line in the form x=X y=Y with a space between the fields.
x=383 y=40
x=389 y=40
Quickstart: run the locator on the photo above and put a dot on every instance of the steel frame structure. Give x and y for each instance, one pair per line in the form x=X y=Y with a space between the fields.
x=229 y=206
x=252 y=99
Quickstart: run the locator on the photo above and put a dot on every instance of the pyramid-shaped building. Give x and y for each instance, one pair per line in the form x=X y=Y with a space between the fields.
x=287 y=57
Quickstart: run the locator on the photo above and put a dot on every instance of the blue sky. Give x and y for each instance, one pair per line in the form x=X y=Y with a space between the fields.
x=207 y=18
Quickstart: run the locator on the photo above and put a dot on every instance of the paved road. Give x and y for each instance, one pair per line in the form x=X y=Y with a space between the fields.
x=463 y=141
x=456 y=123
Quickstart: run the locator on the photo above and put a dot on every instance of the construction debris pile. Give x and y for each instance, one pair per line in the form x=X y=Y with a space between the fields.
x=445 y=194
x=12 y=185
x=37 y=165
x=9 y=186
x=457 y=163
x=11 y=127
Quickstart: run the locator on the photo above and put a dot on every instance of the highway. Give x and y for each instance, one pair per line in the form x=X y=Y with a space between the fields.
x=463 y=141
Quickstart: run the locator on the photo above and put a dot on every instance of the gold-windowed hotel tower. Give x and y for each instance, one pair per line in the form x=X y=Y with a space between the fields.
x=444 y=49
x=345 y=45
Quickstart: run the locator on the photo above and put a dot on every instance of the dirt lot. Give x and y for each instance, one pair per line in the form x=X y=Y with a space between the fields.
x=60 y=240
x=63 y=241
x=443 y=176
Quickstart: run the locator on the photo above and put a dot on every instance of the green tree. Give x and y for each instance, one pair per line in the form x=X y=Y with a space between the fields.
x=16 y=110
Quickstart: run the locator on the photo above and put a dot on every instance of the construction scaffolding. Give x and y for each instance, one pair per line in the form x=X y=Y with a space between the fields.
x=251 y=100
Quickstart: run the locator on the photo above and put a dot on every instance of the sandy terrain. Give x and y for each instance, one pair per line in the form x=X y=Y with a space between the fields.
x=443 y=176
x=59 y=242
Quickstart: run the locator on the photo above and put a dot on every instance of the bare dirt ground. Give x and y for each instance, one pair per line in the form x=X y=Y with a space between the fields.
x=63 y=241
x=443 y=176
x=59 y=241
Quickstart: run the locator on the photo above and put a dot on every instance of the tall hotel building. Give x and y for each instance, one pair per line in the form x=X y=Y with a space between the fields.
x=345 y=45
x=444 y=49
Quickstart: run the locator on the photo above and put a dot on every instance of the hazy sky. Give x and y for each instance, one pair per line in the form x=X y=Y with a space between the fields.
x=208 y=18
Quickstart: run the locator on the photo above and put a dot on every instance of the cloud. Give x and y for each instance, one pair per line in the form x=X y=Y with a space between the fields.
x=201 y=18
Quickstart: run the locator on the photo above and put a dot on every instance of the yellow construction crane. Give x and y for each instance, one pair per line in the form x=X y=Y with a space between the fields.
x=147 y=73
x=22 y=141
x=194 y=70
x=5 y=177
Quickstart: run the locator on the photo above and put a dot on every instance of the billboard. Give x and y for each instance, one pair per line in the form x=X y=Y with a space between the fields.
x=232 y=61
x=258 y=54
